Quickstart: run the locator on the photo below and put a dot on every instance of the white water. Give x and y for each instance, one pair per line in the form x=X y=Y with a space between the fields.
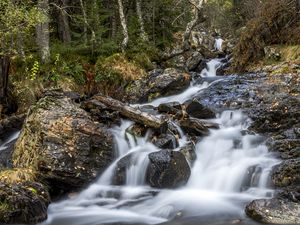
x=10 y=139
x=218 y=44
x=221 y=181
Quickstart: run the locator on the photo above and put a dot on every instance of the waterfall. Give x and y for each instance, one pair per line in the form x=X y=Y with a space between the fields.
x=218 y=44
x=232 y=168
x=13 y=137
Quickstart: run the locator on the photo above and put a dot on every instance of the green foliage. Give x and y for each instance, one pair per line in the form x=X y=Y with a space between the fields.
x=17 y=19
x=34 y=70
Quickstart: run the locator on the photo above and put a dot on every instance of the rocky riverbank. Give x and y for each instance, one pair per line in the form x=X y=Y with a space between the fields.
x=65 y=143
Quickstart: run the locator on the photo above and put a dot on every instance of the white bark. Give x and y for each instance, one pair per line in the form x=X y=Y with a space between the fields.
x=42 y=32
x=86 y=25
x=144 y=35
x=124 y=25
x=198 y=18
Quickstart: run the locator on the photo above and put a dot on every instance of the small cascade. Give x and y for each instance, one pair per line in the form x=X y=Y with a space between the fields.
x=212 y=67
x=231 y=169
x=12 y=138
x=218 y=44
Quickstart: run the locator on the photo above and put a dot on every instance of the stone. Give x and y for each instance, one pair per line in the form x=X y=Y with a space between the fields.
x=274 y=211
x=167 y=169
x=189 y=152
x=165 y=141
x=195 y=109
x=194 y=61
x=63 y=144
x=287 y=173
x=23 y=203
x=158 y=83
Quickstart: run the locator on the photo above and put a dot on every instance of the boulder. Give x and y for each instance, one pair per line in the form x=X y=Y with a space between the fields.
x=165 y=141
x=189 y=152
x=167 y=169
x=158 y=83
x=287 y=173
x=195 y=109
x=22 y=200
x=287 y=148
x=194 y=61
x=174 y=108
x=196 y=127
x=63 y=144
x=274 y=211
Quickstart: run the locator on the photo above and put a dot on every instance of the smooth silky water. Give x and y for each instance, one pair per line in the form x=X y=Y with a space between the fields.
x=232 y=168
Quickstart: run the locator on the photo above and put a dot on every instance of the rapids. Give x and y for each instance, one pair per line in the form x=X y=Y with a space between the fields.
x=231 y=169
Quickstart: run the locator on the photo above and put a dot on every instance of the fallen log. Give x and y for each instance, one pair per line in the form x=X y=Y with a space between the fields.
x=131 y=113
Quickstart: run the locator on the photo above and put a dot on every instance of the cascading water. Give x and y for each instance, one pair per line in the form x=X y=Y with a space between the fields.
x=218 y=44
x=11 y=139
x=232 y=168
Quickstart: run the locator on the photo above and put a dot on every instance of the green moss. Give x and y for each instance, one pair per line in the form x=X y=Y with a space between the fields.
x=152 y=96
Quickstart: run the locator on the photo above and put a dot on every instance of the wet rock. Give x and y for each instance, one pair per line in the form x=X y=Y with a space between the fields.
x=11 y=123
x=290 y=193
x=23 y=203
x=274 y=211
x=167 y=169
x=197 y=127
x=287 y=173
x=165 y=141
x=195 y=109
x=119 y=177
x=287 y=148
x=194 y=61
x=137 y=130
x=158 y=83
x=101 y=112
x=67 y=148
x=277 y=116
x=189 y=152
x=170 y=107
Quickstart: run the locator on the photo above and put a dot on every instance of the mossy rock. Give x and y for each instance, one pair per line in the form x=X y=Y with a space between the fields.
x=22 y=200
x=62 y=144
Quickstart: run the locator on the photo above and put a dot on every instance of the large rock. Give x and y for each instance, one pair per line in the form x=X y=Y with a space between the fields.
x=167 y=169
x=61 y=142
x=274 y=211
x=287 y=173
x=195 y=109
x=22 y=200
x=158 y=83
x=195 y=61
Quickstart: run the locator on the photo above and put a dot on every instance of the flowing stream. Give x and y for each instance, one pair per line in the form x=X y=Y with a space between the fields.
x=231 y=169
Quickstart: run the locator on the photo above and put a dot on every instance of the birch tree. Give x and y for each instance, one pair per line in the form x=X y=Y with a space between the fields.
x=124 y=25
x=144 y=35
x=198 y=18
x=42 y=32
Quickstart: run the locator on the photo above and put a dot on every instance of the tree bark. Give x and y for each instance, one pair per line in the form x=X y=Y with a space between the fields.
x=5 y=65
x=198 y=18
x=64 y=26
x=42 y=32
x=124 y=25
x=144 y=35
x=131 y=113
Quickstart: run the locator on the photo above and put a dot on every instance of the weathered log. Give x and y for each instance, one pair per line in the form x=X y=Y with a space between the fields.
x=131 y=113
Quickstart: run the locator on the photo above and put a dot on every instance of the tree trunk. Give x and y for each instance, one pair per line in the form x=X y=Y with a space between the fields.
x=198 y=18
x=131 y=113
x=63 y=25
x=5 y=64
x=42 y=32
x=144 y=35
x=85 y=26
x=124 y=25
